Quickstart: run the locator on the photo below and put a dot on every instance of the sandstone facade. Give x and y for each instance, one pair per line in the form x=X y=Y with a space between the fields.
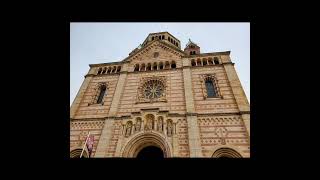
x=183 y=121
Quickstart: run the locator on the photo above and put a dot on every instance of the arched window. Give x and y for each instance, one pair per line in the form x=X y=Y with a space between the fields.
x=210 y=62
x=167 y=65
x=152 y=38
x=118 y=69
x=162 y=36
x=102 y=92
x=216 y=60
x=149 y=67
x=136 y=67
x=204 y=61
x=154 y=66
x=210 y=88
x=114 y=69
x=99 y=71
x=104 y=70
x=199 y=62
x=143 y=67
x=160 y=65
x=193 y=63
x=109 y=70
x=173 y=65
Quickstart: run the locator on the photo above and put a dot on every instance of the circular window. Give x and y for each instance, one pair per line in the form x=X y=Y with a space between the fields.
x=156 y=54
x=153 y=89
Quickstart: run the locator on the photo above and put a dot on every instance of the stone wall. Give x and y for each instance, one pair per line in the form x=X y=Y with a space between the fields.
x=97 y=110
x=79 y=131
x=215 y=122
x=228 y=130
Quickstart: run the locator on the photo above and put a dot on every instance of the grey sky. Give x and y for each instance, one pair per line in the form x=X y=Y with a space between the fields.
x=92 y=43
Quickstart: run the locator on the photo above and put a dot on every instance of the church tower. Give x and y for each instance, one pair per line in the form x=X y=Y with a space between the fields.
x=164 y=102
x=192 y=48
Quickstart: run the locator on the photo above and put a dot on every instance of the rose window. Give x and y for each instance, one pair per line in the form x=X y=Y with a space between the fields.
x=153 y=89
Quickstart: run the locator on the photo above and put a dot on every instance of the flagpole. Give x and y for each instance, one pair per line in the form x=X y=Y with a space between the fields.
x=85 y=144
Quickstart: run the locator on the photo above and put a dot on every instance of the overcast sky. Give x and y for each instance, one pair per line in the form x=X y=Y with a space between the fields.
x=92 y=43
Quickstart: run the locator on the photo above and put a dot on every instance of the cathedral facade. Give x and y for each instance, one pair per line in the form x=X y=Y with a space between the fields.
x=181 y=103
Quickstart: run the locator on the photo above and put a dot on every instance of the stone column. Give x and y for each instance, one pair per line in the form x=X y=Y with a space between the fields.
x=76 y=102
x=105 y=138
x=193 y=128
x=238 y=92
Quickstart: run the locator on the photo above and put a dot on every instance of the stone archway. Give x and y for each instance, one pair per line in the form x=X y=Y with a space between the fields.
x=150 y=152
x=77 y=152
x=143 y=140
x=226 y=153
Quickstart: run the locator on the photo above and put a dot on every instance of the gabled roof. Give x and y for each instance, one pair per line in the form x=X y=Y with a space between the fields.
x=164 y=43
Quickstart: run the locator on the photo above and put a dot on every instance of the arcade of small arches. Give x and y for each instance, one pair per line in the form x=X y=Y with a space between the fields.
x=162 y=37
x=205 y=61
x=109 y=70
x=155 y=66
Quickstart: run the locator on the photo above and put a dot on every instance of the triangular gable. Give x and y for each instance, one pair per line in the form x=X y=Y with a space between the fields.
x=156 y=43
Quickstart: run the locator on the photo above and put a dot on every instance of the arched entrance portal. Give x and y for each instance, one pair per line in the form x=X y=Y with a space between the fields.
x=150 y=152
x=226 y=153
x=143 y=145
